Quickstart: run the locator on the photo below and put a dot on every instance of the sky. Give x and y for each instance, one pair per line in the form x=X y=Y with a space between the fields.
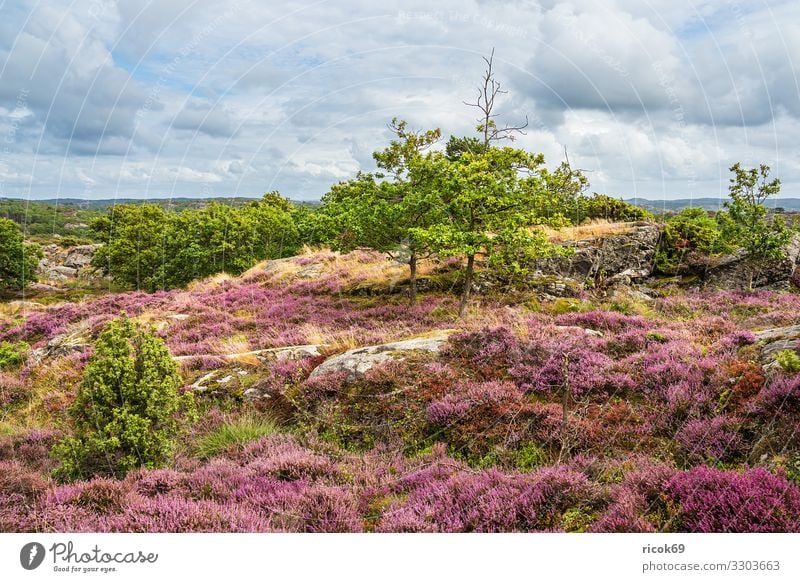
x=174 y=98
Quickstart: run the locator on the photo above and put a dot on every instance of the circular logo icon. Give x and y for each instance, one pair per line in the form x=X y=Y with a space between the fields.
x=31 y=555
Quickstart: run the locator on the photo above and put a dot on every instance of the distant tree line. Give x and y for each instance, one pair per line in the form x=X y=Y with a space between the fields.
x=148 y=248
x=476 y=198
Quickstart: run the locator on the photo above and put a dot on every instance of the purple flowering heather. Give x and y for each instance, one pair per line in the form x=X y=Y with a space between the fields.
x=711 y=500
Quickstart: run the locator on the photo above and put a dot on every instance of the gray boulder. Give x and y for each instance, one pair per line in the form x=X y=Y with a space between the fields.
x=777 y=339
x=80 y=257
x=624 y=256
x=733 y=272
x=357 y=362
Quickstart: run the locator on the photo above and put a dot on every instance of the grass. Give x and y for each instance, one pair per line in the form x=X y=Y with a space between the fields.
x=234 y=433
x=593 y=229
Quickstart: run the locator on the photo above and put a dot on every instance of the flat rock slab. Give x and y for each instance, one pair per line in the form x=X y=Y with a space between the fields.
x=356 y=362
x=280 y=354
x=778 y=339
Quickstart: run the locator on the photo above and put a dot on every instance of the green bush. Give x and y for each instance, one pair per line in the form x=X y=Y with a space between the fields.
x=235 y=433
x=18 y=260
x=690 y=235
x=789 y=361
x=127 y=410
x=12 y=355
x=601 y=206
x=148 y=248
x=530 y=456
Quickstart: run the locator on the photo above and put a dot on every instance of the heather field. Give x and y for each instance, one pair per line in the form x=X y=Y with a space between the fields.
x=597 y=413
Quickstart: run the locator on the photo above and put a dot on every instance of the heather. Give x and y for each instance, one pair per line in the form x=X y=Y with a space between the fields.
x=593 y=415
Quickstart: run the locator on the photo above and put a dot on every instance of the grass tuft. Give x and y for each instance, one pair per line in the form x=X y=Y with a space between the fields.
x=233 y=434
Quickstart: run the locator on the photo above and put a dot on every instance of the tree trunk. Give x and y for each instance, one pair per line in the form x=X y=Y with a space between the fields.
x=412 y=286
x=462 y=307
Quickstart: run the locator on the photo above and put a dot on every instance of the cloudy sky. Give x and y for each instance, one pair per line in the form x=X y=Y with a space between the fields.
x=167 y=98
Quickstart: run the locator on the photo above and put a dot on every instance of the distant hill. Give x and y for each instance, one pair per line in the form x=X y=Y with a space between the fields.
x=788 y=204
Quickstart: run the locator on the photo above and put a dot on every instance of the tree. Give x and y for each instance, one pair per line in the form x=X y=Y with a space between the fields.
x=747 y=222
x=489 y=192
x=18 y=260
x=148 y=248
x=126 y=412
x=488 y=93
x=489 y=201
x=384 y=211
x=133 y=250
x=459 y=145
x=562 y=194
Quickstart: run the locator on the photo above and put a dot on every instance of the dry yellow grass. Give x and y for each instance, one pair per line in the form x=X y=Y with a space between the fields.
x=593 y=229
x=236 y=344
x=209 y=282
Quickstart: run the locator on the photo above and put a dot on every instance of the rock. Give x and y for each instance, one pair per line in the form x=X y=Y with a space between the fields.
x=61 y=273
x=80 y=256
x=41 y=288
x=266 y=355
x=252 y=394
x=295 y=352
x=310 y=272
x=65 y=264
x=777 y=339
x=76 y=340
x=199 y=384
x=624 y=256
x=356 y=362
x=578 y=329
x=732 y=271
x=179 y=316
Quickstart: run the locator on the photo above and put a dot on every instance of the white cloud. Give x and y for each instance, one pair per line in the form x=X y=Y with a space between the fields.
x=182 y=97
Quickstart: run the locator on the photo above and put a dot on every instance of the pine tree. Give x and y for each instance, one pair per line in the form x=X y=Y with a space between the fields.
x=126 y=413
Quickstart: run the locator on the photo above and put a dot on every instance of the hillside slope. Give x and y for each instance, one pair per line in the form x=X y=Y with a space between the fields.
x=606 y=412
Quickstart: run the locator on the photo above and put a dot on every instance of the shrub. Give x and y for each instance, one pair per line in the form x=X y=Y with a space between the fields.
x=789 y=360
x=601 y=206
x=490 y=501
x=19 y=489
x=125 y=414
x=688 y=236
x=18 y=260
x=12 y=355
x=711 y=440
x=780 y=395
x=234 y=434
x=12 y=390
x=711 y=500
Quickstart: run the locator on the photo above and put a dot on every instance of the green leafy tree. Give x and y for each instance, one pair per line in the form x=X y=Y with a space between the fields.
x=275 y=226
x=489 y=194
x=133 y=250
x=562 y=194
x=384 y=211
x=459 y=145
x=490 y=201
x=747 y=223
x=127 y=410
x=18 y=260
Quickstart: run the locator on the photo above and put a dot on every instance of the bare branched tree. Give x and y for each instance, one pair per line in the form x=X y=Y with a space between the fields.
x=485 y=103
